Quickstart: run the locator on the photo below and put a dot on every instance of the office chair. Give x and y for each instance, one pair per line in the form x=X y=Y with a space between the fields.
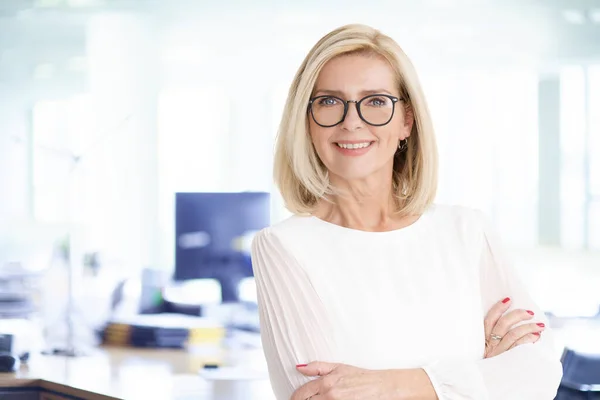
x=581 y=376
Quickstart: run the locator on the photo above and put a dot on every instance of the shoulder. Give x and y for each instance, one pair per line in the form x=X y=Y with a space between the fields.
x=467 y=229
x=276 y=248
x=287 y=230
x=459 y=218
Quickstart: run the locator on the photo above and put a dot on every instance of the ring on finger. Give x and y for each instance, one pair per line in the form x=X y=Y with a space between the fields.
x=493 y=336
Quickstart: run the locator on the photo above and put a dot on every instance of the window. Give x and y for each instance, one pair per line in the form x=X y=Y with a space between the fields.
x=580 y=153
x=193 y=140
x=61 y=129
x=594 y=156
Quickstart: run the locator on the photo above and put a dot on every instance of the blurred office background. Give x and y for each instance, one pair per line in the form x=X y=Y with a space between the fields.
x=110 y=107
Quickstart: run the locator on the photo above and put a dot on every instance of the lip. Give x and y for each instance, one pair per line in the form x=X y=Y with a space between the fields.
x=353 y=152
x=353 y=141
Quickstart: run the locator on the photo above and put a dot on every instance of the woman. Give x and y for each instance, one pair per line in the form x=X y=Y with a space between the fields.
x=370 y=291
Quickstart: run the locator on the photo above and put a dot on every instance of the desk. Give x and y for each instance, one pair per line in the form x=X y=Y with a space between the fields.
x=136 y=374
x=126 y=373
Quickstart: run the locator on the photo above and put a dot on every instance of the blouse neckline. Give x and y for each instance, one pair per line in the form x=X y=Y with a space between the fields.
x=422 y=220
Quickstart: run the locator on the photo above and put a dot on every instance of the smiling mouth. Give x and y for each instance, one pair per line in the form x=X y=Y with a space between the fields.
x=354 y=146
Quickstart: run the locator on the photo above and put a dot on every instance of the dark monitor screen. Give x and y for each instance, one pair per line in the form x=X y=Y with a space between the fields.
x=212 y=231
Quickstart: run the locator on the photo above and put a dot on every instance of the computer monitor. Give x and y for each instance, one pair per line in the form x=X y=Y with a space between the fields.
x=212 y=235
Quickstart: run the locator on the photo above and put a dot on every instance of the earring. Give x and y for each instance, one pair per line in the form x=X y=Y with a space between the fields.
x=402 y=145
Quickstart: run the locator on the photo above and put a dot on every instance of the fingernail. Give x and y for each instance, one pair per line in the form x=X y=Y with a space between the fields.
x=506 y=300
x=530 y=312
x=301 y=365
x=536 y=333
x=541 y=325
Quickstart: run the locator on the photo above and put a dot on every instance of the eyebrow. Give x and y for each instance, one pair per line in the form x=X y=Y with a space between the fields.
x=363 y=93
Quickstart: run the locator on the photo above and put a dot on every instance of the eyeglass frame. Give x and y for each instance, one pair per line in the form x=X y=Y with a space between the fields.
x=393 y=99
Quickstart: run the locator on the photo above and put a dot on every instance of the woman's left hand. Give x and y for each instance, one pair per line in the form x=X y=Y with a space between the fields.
x=502 y=329
x=345 y=382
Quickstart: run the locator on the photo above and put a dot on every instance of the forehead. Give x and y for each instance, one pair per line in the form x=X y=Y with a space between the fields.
x=356 y=72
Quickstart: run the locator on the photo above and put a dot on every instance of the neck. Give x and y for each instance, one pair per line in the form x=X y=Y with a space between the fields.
x=364 y=205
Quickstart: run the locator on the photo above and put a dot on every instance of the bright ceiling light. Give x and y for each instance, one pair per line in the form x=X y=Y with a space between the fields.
x=595 y=15
x=576 y=17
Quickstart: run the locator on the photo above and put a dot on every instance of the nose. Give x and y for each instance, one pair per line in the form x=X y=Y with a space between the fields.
x=352 y=120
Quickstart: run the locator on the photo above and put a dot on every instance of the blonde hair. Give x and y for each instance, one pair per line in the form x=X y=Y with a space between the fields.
x=300 y=175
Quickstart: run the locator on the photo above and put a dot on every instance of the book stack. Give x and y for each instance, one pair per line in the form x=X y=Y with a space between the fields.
x=163 y=331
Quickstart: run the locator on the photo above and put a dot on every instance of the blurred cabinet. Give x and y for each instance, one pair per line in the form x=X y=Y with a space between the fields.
x=7 y=394
x=48 y=396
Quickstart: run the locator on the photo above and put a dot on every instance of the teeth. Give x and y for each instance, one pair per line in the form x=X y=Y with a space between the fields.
x=354 y=145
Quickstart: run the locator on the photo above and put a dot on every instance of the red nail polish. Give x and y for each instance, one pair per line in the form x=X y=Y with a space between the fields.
x=301 y=365
x=536 y=333
x=541 y=325
x=530 y=312
x=506 y=300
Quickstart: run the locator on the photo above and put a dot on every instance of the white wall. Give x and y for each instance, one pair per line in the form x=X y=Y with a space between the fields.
x=14 y=155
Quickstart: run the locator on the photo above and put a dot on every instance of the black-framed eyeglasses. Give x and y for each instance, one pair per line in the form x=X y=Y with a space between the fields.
x=374 y=109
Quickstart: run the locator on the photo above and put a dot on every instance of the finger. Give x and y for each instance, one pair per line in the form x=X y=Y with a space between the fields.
x=516 y=334
x=529 y=338
x=510 y=319
x=316 y=368
x=307 y=390
x=494 y=315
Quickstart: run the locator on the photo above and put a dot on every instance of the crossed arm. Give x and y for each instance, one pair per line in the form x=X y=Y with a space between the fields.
x=292 y=330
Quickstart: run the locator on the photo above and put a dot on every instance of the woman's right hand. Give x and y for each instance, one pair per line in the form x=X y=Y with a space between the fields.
x=501 y=334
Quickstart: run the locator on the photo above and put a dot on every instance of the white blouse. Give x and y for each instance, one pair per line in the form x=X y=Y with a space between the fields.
x=410 y=298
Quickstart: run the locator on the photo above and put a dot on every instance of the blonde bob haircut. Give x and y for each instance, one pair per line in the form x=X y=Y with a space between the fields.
x=300 y=175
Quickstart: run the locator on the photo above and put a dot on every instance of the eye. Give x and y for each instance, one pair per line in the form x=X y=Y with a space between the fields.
x=327 y=101
x=379 y=101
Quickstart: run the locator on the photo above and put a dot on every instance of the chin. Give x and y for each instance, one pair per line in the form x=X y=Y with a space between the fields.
x=353 y=174
x=360 y=168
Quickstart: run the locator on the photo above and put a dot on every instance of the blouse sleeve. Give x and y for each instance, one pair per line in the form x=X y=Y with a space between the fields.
x=294 y=324
x=530 y=371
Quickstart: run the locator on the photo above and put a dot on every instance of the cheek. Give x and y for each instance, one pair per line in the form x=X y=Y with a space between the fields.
x=390 y=134
x=313 y=131
x=318 y=135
